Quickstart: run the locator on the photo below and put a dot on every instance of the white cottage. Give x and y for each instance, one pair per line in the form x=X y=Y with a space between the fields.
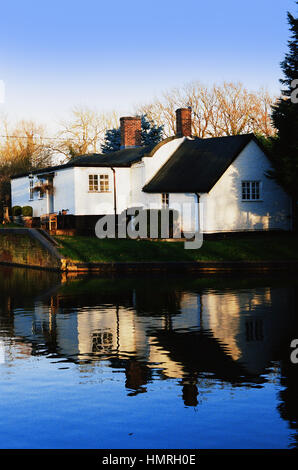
x=227 y=175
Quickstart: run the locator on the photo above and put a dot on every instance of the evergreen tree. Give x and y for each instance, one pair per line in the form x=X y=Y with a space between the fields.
x=151 y=134
x=290 y=64
x=112 y=140
x=285 y=119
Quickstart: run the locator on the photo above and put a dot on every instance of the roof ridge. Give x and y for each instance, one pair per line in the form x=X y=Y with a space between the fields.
x=249 y=134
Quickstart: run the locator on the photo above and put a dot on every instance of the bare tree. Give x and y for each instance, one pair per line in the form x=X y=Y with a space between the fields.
x=84 y=132
x=262 y=121
x=227 y=109
x=22 y=149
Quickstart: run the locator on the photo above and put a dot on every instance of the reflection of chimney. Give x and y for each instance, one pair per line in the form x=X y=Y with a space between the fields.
x=136 y=375
x=130 y=131
x=183 y=122
x=190 y=393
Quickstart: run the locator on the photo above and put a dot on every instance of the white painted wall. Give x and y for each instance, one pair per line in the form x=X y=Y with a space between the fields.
x=64 y=190
x=98 y=203
x=20 y=196
x=20 y=192
x=63 y=193
x=142 y=172
x=137 y=178
x=160 y=157
x=71 y=191
x=223 y=208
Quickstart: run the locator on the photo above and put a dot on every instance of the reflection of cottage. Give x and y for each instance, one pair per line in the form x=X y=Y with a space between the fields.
x=226 y=175
x=249 y=324
x=229 y=332
x=232 y=334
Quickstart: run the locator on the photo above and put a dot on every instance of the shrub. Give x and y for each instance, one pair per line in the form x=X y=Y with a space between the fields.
x=27 y=211
x=16 y=210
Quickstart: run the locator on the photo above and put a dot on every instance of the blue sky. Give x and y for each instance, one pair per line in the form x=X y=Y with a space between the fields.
x=112 y=55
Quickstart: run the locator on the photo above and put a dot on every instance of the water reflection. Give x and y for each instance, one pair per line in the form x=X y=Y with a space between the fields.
x=200 y=332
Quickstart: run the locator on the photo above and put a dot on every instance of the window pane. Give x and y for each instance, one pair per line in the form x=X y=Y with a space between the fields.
x=95 y=183
x=253 y=190
x=257 y=190
x=250 y=190
x=245 y=190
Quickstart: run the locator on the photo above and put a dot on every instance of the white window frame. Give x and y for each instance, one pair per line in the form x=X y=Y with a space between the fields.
x=99 y=183
x=253 y=187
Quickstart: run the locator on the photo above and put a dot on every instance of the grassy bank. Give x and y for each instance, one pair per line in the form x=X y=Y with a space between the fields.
x=11 y=225
x=267 y=247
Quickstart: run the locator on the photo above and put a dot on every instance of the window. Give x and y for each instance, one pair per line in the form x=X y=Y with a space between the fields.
x=31 y=192
x=102 y=341
x=251 y=190
x=93 y=182
x=99 y=183
x=104 y=183
x=165 y=199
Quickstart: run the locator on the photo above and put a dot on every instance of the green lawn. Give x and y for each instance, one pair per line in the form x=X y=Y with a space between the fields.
x=251 y=248
x=11 y=225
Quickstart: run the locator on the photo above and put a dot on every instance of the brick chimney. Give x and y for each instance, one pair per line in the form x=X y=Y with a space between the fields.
x=183 y=122
x=130 y=131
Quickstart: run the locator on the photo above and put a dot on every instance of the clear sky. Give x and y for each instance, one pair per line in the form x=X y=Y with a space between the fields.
x=115 y=54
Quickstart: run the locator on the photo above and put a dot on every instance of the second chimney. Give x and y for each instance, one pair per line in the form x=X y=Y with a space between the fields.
x=130 y=128
x=183 y=122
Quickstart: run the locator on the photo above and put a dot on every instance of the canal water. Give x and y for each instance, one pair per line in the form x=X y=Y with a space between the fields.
x=147 y=361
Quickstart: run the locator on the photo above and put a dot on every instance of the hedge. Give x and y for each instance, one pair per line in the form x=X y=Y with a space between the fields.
x=16 y=211
x=27 y=211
